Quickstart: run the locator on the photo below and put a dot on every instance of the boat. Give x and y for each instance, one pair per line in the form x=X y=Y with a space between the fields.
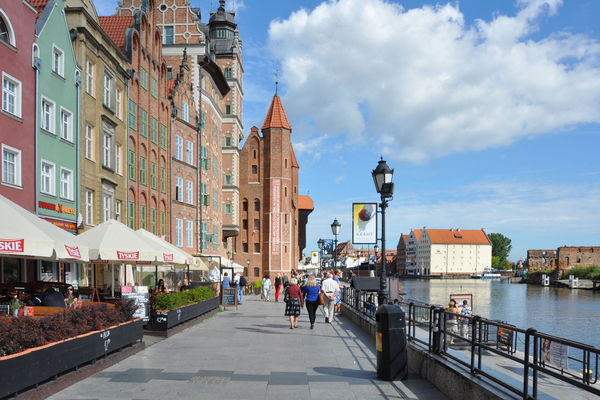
x=487 y=273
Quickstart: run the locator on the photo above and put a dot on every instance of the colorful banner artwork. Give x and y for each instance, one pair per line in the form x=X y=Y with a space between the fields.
x=364 y=223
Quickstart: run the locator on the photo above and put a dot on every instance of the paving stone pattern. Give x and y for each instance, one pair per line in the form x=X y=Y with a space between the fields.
x=252 y=354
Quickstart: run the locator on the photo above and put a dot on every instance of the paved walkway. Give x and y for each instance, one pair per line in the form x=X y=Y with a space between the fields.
x=252 y=354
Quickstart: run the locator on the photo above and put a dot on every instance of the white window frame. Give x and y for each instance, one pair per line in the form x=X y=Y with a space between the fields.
x=179 y=147
x=107 y=90
x=17 y=105
x=66 y=126
x=17 y=165
x=189 y=192
x=89 y=142
x=89 y=207
x=107 y=206
x=189 y=152
x=89 y=77
x=60 y=68
x=185 y=111
x=68 y=193
x=118 y=161
x=51 y=116
x=118 y=210
x=107 y=147
x=51 y=176
x=119 y=103
x=189 y=233
x=178 y=232
x=179 y=188
x=11 y=31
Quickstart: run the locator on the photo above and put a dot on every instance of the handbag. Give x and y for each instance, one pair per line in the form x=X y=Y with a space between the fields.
x=321 y=299
x=286 y=296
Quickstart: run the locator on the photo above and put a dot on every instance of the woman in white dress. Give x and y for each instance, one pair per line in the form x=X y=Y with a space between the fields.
x=266 y=287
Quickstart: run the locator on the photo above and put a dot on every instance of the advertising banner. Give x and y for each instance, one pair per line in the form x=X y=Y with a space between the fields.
x=556 y=354
x=364 y=223
x=327 y=248
x=275 y=216
x=141 y=298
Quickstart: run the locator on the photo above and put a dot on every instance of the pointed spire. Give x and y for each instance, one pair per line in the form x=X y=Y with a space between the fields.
x=276 y=117
x=221 y=5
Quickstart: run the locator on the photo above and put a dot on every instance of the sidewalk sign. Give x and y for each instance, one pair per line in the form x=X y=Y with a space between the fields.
x=141 y=299
x=230 y=298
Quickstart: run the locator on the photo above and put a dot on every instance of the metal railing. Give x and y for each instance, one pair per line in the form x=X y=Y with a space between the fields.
x=480 y=344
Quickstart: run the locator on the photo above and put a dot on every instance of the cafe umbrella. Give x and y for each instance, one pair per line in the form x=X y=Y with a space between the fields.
x=23 y=234
x=112 y=242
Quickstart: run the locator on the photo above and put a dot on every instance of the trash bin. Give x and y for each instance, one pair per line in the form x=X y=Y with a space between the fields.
x=392 y=358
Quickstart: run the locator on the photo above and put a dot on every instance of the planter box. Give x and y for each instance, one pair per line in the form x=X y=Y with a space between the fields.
x=33 y=366
x=164 y=320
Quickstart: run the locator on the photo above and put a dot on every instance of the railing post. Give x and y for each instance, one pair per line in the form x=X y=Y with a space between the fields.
x=474 y=338
x=437 y=329
x=411 y=320
x=536 y=358
x=528 y=335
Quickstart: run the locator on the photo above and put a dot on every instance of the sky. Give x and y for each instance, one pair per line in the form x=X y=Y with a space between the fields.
x=488 y=111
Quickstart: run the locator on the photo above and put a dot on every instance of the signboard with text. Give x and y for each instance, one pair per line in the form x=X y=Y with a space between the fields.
x=141 y=298
x=275 y=216
x=364 y=223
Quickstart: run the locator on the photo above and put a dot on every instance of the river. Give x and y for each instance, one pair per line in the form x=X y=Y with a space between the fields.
x=571 y=314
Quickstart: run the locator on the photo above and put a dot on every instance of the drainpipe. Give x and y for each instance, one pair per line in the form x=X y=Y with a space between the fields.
x=37 y=65
x=77 y=192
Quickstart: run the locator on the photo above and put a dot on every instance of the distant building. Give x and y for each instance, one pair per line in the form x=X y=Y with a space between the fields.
x=563 y=258
x=400 y=267
x=453 y=252
x=305 y=207
x=411 y=251
x=542 y=259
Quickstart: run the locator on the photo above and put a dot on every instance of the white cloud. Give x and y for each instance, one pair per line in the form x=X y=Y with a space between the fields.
x=421 y=83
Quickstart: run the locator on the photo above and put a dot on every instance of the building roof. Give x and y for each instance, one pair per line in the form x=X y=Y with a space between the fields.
x=276 y=117
x=294 y=161
x=418 y=233
x=403 y=238
x=458 y=236
x=38 y=5
x=115 y=27
x=305 y=203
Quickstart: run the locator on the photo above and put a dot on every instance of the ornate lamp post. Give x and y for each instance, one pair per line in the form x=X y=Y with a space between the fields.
x=335 y=229
x=320 y=243
x=376 y=248
x=248 y=268
x=382 y=177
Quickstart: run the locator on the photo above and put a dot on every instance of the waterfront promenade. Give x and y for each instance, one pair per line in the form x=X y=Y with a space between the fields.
x=252 y=354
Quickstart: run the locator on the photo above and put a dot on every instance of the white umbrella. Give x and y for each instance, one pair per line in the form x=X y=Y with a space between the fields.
x=170 y=254
x=23 y=234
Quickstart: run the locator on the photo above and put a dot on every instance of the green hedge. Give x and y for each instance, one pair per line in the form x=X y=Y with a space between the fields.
x=589 y=272
x=171 y=301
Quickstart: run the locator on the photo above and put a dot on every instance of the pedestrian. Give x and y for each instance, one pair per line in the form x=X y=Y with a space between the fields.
x=266 y=287
x=162 y=287
x=465 y=320
x=278 y=283
x=215 y=281
x=295 y=302
x=338 y=296
x=330 y=288
x=226 y=281
x=236 y=280
x=451 y=319
x=310 y=292
x=284 y=281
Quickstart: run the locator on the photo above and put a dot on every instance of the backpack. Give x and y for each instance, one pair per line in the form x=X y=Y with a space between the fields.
x=243 y=281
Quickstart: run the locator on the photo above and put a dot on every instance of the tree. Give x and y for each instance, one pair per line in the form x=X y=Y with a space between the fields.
x=501 y=246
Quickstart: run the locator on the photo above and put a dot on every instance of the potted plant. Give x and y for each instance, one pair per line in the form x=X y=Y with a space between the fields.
x=15 y=307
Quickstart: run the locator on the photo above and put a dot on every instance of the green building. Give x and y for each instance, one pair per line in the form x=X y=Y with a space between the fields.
x=57 y=128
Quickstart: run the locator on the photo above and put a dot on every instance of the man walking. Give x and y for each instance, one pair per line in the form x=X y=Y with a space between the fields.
x=237 y=280
x=330 y=289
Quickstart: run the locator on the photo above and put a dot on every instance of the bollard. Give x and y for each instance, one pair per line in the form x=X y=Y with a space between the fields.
x=392 y=357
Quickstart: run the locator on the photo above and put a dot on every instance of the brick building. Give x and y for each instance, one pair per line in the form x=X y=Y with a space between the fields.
x=563 y=258
x=269 y=197
x=400 y=267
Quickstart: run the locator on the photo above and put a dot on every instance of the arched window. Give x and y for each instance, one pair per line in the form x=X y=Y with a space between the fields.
x=256 y=205
x=7 y=34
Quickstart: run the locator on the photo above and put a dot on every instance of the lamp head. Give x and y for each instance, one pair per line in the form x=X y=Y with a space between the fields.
x=335 y=227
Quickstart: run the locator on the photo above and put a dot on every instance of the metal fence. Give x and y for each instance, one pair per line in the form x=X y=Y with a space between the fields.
x=479 y=343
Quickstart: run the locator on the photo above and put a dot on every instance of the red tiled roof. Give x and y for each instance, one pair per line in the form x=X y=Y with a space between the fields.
x=305 y=203
x=38 y=5
x=294 y=161
x=418 y=233
x=115 y=27
x=276 y=117
x=456 y=236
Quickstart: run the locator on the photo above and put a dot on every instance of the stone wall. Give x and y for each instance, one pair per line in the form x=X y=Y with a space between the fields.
x=542 y=259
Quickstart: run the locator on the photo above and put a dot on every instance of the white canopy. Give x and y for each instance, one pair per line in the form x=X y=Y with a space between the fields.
x=23 y=234
x=111 y=241
x=170 y=253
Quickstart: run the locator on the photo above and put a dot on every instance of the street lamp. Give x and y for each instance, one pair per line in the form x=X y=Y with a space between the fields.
x=248 y=268
x=335 y=229
x=320 y=243
x=376 y=248
x=382 y=177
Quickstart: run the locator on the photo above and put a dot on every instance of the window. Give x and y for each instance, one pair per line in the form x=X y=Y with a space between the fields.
x=215 y=237
x=6 y=33
x=168 y=34
x=204 y=194
x=204 y=158
x=153 y=87
x=66 y=125
x=179 y=147
x=143 y=123
x=178 y=232
x=89 y=207
x=256 y=248
x=202 y=83
x=11 y=94
x=227 y=109
x=178 y=188
x=153 y=220
x=153 y=175
x=255 y=169
x=143 y=171
x=215 y=200
x=285 y=190
x=163 y=223
x=228 y=74
x=132 y=111
x=153 y=130
x=257 y=205
x=228 y=208
x=202 y=120
x=245 y=248
x=245 y=224
x=89 y=142
x=163 y=180
x=228 y=141
x=131 y=165
x=11 y=166
x=143 y=216
x=189 y=192
x=170 y=73
x=131 y=214
x=255 y=154
x=144 y=79
x=256 y=272
x=108 y=90
x=227 y=179
x=58 y=61
x=189 y=152
x=118 y=160
x=119 y=103
x=89 y=77
x=245 y=205
x=47 y=122
x=185 y=112
x=118 y=210
x=189 y=233
x=163 y=136
x=204 y=236
x=107 y=148
x=256 y=224
x=47 y=178
x=285 y=162
x=66 y=184
x=107 y=204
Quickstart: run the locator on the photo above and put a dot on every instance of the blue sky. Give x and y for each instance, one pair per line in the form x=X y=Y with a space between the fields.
x=488 y=111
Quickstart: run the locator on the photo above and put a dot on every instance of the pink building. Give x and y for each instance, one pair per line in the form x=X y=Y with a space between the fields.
x=17 y=115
